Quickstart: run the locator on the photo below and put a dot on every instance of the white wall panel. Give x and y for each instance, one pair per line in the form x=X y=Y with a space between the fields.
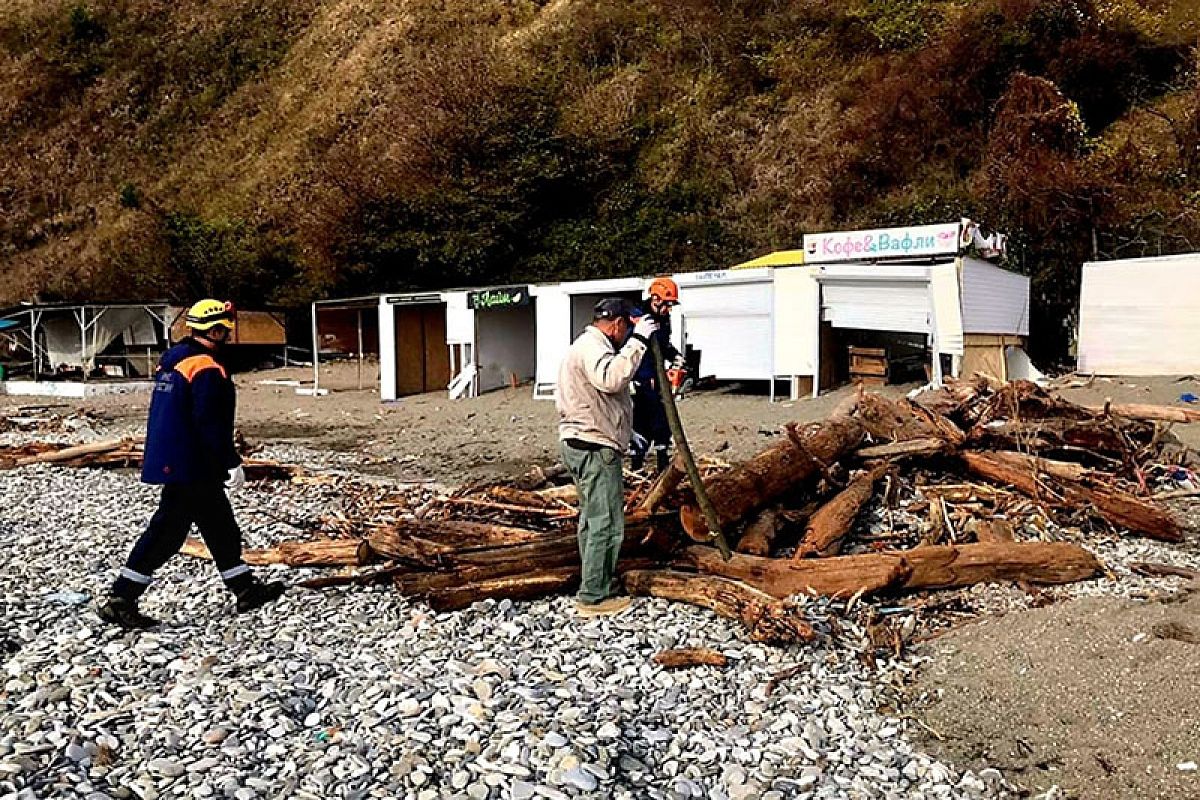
x=994 y=300
x=1141 y=317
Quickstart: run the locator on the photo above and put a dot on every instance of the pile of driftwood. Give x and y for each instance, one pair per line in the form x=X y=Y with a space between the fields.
x=117 y=453
x=1003 y=481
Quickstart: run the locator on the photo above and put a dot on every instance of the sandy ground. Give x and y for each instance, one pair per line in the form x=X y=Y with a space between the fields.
x=1081 y=695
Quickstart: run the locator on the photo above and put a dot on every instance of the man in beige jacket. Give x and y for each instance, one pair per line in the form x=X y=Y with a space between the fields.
x=595 y=423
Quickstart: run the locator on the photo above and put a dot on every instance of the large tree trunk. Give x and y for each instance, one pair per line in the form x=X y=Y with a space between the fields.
x=1124 y=510
x=767 y=618
x=832 y=521
x=930 y=567
x=947 y=566
x=842 y=576
x=752 y=485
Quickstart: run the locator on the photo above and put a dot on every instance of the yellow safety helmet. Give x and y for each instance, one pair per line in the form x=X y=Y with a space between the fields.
x=208 y=314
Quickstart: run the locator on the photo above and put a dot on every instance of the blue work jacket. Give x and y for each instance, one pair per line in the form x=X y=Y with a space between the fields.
x=189 y=435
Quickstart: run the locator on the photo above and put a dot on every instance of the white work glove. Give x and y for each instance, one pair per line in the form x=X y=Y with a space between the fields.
x=236 y=479
x=679 y=362
x=639 y=445
x=645 y=327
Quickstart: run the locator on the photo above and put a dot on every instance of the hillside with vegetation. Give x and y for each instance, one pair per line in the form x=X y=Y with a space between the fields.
x=278 y=150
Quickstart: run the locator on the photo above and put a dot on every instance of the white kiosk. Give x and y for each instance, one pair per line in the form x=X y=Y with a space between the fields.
x=908 y=286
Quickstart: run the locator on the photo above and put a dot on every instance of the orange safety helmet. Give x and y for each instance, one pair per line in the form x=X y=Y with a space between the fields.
x=664 y=289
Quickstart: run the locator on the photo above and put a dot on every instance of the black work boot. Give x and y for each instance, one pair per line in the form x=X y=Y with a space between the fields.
x=663 y=459
x=259 y=594
x=124 y=612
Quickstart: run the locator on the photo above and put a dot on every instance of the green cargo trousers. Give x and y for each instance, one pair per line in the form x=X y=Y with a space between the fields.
x=601 y=484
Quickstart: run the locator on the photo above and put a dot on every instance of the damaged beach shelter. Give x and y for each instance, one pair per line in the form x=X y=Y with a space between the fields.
x=1140 y=316
x=345 y=329
x=896 y=304
x=77 y=343
x=562 y=311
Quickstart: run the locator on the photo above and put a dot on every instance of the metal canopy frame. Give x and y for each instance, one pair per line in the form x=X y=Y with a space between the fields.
x=156 y=309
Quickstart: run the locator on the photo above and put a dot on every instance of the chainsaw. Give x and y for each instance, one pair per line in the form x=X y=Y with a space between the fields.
x=681 y=383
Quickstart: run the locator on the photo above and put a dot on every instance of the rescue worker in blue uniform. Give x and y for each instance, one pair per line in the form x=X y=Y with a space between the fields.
x=651 y=433
x=190 y=452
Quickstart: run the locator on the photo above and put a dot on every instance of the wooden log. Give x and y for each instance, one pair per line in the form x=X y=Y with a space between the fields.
x=263 y=470
x=759 y=535
x=766 y=618
x=901 y=420
x=1066 y=470
x=521 y=498
x=1122 y=509
x=1098 y=435
x=1164 y=570
x=922 y=446
x=566 y=494
x=495 y=505
x=517 y=587
x=1025 y=400
x=681 y=658
x=667 y=482
x=832 y=521
x=78 y=451
x=316 y=553
x=754 y=484
x=841 y=576
x=929 y=567
x=368 y=577
x=948 y=566
x=991 y=531
x=522 y=549
x=453 y=534
x=1151 y=413
x=412 y=583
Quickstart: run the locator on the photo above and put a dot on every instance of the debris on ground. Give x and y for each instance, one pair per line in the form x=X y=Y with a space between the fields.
x=971 y=484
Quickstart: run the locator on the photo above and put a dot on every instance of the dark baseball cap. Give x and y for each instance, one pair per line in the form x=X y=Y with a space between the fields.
x=613 y=308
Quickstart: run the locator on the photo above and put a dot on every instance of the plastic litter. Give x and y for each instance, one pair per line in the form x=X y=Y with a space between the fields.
x=67 y=598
